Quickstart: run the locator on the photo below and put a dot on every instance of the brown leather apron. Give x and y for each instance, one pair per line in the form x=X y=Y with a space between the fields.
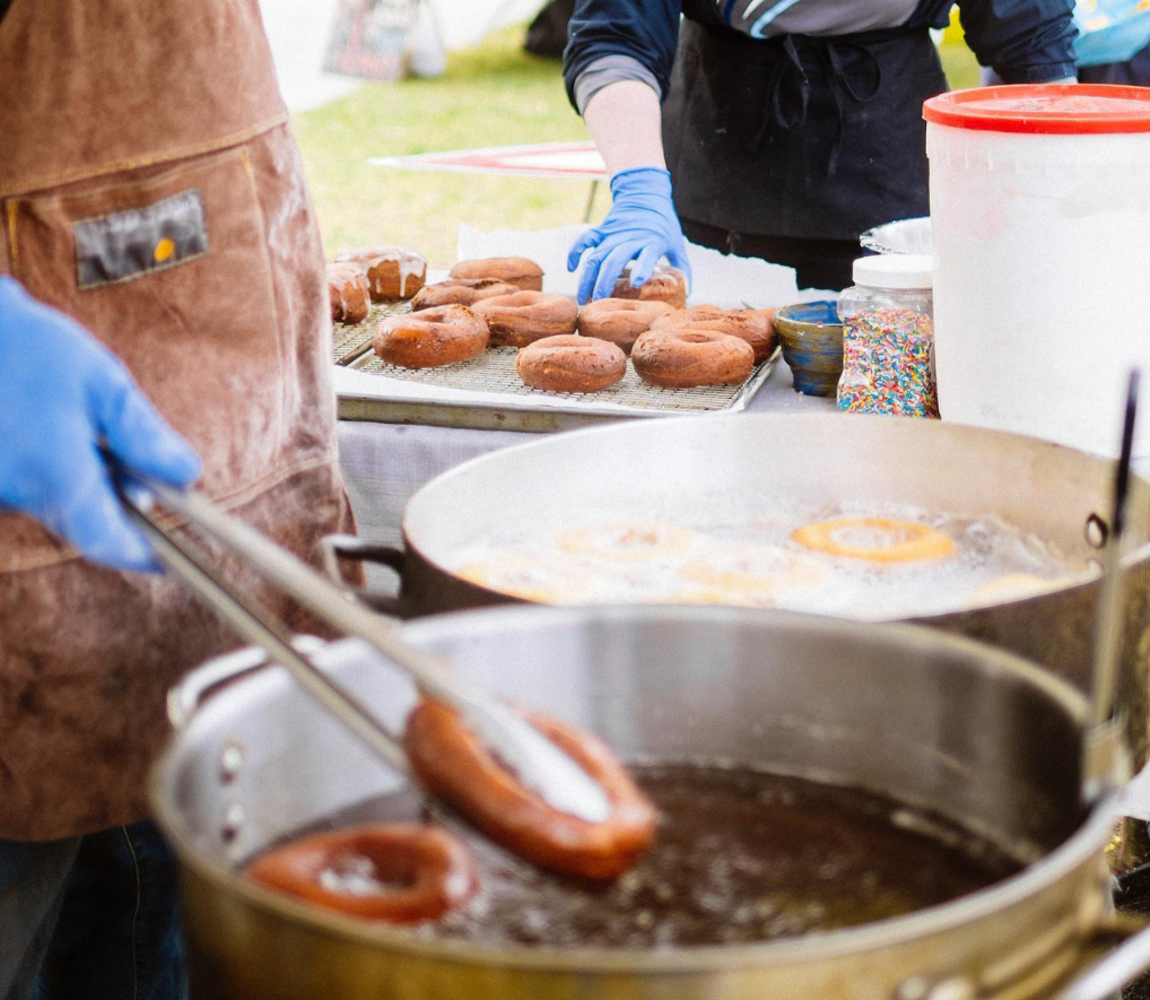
x=121 y=120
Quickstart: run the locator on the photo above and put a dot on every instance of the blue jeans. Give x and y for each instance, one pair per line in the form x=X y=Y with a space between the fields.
x=92 y=918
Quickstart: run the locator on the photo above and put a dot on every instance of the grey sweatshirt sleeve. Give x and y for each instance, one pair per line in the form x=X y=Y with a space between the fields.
x=607 y=70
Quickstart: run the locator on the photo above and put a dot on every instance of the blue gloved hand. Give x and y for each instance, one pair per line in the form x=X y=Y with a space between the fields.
x=62 y=394
x=641 y=226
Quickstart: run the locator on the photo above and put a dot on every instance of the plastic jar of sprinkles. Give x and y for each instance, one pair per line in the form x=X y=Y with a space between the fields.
x=888 y=338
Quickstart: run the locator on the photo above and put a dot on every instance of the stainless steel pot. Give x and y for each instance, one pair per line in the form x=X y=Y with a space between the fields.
x=954 y=726
x=738 y=466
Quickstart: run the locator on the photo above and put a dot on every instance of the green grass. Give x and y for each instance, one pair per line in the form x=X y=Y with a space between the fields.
x=961 y=67
x=490 y=96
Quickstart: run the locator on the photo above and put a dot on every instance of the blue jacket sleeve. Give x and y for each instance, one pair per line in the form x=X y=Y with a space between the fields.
x=645 y=30
x=1025 y=41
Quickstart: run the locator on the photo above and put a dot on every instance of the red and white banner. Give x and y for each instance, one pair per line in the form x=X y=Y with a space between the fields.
x=580 y=160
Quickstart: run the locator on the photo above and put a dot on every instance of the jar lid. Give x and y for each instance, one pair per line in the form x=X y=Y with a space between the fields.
x=895 y=270
x=1051 y=109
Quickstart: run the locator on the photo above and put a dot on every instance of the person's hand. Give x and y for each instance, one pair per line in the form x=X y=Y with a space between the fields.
x=641 y=226
x=63 y=396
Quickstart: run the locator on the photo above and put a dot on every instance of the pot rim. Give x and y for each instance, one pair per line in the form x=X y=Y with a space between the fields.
x=1074 y=584
x=1087 y=841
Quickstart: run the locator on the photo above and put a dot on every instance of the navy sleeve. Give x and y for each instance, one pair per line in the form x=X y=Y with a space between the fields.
x=1024 y=41
x=646 y=30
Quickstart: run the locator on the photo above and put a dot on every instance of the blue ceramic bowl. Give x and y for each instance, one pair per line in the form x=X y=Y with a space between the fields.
x=812 y=339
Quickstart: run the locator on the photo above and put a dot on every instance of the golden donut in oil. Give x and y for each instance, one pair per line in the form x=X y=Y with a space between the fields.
x=529 y=577
x=891 y=541
x=628 y=542
x=755 y=568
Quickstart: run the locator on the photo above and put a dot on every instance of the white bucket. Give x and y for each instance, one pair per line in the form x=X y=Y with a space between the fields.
x=1040 y=209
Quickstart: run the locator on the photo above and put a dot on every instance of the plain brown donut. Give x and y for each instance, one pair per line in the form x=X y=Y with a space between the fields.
x=620 y=320
x=451 y=761
x=571 y=364
x=460 y=292
x=666 y=284
x=755 y=326
x=682 y=359
x=679 y=318
x=392 y=272
x=518 y=320
x=524 y=274
x=349 y=292
x=431 y=337
x=421 y=872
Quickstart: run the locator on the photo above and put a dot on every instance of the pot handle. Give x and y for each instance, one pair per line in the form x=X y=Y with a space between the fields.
x=186 y=698
x=1106 y=978
x=337 y=547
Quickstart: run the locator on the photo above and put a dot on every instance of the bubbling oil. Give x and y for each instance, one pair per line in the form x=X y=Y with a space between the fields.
x=741 y=856
x=988 y=562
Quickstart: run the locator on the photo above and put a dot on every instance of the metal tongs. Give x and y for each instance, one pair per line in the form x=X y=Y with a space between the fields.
x=537 y=762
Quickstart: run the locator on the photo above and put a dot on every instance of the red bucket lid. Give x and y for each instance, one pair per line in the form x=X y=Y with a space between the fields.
x=1051 y=109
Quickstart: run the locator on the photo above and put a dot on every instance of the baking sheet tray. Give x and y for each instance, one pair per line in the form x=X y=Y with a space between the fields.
x=486 y=393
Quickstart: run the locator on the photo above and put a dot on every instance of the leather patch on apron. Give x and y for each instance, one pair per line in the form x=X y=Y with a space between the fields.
x=121 y=246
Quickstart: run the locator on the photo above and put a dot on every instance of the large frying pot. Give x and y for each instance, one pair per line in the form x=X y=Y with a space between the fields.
x=673 y=470
x=960 y=728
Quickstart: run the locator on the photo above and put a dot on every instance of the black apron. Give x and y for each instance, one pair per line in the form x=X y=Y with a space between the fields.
x=799 y=136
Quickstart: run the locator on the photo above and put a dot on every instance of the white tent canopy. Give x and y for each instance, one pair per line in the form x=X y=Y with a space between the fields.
x=463 y=23
x=299 y=31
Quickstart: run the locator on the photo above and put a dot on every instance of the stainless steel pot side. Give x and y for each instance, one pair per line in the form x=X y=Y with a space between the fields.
x=740 y=466
x=958 y=727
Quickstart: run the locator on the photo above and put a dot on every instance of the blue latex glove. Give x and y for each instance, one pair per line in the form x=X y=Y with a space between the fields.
x=62 y=394
x=641 y=226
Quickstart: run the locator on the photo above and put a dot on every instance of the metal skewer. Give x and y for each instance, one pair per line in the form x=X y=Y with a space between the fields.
x=538 y=763
x=1104 y=733
x=1104 y=743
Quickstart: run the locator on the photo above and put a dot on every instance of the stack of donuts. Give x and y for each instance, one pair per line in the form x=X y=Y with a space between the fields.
x=500 y=302
x=669 y=345
x=358 y=278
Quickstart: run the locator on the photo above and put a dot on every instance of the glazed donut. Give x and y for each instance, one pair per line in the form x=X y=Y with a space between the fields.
x=449 y=759
x=628 y=542
x=682 y=359
x=396 y=873
x=392 y=272
x=755 y=326
x=349 y=292
x=518 y=320
x=876 y=539
x=431 y=337
x=460 y=292
x=620 y=320
x=524 y=274
x=528 y=577
x=666 y=284
x=570 y=363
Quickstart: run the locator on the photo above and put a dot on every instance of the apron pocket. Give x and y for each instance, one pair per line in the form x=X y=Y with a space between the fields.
x=171 y=272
